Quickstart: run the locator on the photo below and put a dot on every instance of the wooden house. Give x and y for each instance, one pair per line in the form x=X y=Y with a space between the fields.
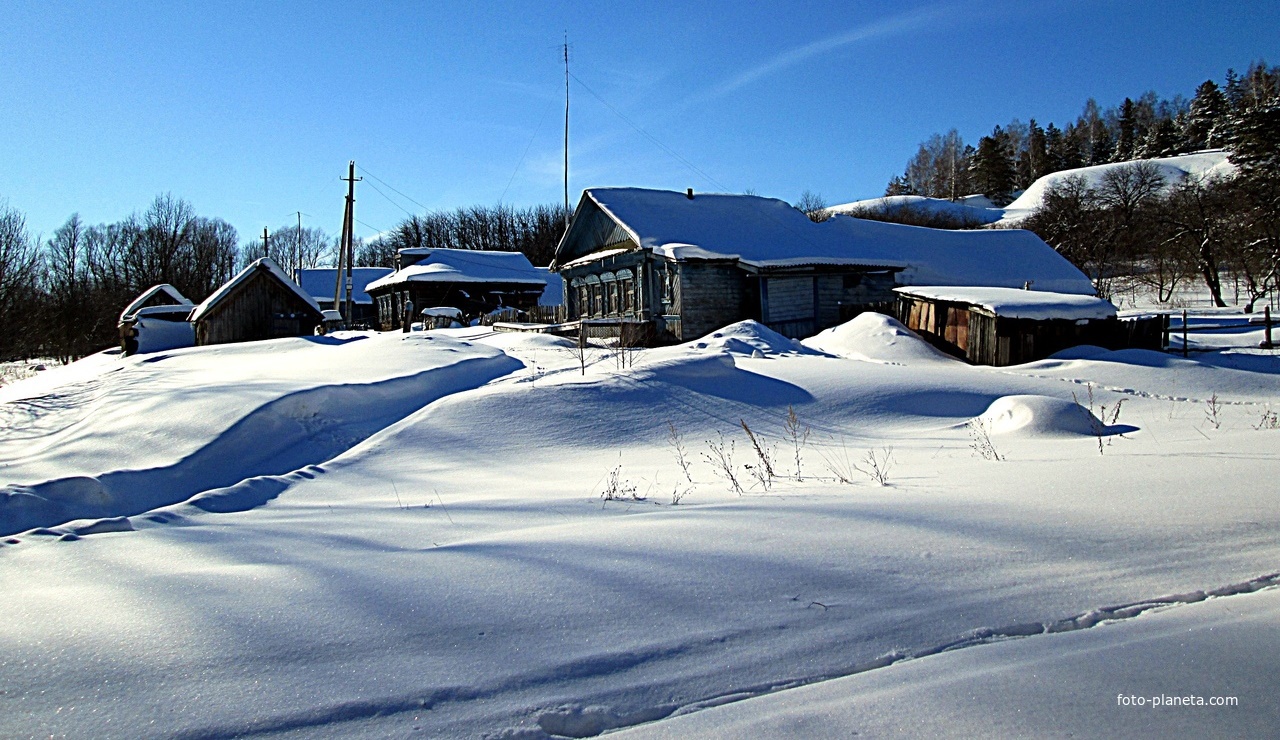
x=686 y=264
x=261 y=302
x=155 y=320
x=319 y=283
x=475 y=282
x=1005 y=326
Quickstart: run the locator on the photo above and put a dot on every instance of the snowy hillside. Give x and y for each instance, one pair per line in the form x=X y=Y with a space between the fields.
x=1212 y=162
x=977 y=210
x=462 y=534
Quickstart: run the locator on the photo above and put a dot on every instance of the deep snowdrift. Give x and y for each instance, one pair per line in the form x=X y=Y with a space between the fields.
x=495 y=547
x=156 y=429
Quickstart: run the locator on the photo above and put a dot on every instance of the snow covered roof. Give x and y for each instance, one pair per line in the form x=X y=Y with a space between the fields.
x=464 y=266
x=265 y=263
x=766 y=233
x=319 y=282
x=1019 y=304
x=164 y=289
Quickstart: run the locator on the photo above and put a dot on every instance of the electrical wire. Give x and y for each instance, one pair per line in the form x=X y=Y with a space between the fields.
x=526 y=150
x=389 y=200
x=392 y=189
x=670 y=152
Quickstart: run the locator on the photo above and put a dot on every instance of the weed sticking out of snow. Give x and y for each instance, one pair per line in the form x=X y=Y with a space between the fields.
x=617 y=488
x=1213 y=411
x=876 y=465
x=980 y=440
x=676 y=441
x=1269 y=419
x=837 y=461
x=762 y=471
x=719 y=456
x=797 y=433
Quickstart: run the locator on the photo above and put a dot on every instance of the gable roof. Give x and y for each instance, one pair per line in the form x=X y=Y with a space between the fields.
x=1013 y=303
x=265 y=264
x=464 y=266
x=765 y=233
x=164 y=290
x=318 y=282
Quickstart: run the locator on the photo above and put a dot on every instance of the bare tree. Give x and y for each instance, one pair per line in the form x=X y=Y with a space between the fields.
x=1198 y=211
x=19 y=265
x=813 y=206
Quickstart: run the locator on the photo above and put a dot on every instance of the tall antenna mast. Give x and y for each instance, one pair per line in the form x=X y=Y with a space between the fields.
x=566 y=130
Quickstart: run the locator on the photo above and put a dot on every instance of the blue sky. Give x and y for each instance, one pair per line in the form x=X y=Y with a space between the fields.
x=251 y=111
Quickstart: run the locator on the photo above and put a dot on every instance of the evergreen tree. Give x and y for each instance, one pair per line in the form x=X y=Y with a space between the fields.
x=1161 y=141
x=1256 y=146
x=1054 y=149
x=1126 y=142
x=993 y=170
x=1033 y=162
x=1204 y=127
x=899 y=185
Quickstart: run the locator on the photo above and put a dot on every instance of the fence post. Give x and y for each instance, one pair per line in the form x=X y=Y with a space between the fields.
x=1266 y=322
x=1184 y=332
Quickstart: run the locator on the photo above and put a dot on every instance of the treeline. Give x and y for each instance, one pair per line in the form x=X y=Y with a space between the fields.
x=62 y=296
x=535 y=231
x=1015 y=155
x=1131 y=223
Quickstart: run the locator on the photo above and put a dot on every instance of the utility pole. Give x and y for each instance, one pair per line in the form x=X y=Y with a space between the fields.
x=266 y=250
x=297 y=246
x=348 y=234
x=566 y=131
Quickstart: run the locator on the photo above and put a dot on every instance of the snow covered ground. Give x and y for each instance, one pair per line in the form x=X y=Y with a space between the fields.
x=386 y=535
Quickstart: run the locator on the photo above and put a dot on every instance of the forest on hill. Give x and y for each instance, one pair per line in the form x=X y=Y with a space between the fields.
x=1131 y=223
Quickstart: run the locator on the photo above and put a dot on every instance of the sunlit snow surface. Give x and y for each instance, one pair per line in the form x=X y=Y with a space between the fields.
x=374 y=535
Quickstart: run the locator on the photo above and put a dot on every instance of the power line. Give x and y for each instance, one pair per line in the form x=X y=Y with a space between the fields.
x=649 y=136
x=389 y=200
x=392 y=189
x=526 y=149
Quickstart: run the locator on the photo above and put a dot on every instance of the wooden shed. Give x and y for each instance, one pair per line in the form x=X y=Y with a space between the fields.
x=159 y=311
x=261 y=302
x=1007 y=326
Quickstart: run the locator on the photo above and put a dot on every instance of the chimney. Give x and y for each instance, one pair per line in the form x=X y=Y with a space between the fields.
x=689 y=193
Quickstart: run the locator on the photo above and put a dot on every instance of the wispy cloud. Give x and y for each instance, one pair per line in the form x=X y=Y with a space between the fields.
x=890 y=26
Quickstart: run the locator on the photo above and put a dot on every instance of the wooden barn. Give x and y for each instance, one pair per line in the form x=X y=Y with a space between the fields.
x=688 y=264
x=261 y=302
x=319 y=283
x=155 y=320
x=475 y=282
x=1005 y=326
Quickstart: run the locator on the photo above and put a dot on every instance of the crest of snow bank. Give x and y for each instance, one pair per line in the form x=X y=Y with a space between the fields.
x=1040 y=415
x=747 y=338
x=874 y=337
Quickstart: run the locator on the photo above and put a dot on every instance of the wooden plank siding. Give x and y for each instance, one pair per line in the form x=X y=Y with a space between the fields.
x=976 y=335
x=260 y=307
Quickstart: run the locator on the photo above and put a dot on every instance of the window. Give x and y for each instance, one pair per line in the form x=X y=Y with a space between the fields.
x=627 y=292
